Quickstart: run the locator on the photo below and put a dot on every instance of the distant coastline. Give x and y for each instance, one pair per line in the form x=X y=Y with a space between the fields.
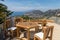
x=17 y=13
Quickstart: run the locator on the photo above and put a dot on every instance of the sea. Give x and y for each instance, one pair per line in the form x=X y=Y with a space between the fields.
x=17 y=13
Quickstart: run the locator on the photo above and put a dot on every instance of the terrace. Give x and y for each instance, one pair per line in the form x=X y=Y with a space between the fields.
x=32 y=24
x=29 y=28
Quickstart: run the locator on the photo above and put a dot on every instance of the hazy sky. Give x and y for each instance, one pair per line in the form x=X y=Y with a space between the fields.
x=25 y=5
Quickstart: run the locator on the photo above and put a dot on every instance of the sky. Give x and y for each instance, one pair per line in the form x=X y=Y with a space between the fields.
x=26 y=5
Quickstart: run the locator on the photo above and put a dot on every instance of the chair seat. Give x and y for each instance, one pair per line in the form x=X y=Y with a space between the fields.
x=24 y=38
x=33 y=29
x=40 y=26
x=40 y=35
x=12 y=28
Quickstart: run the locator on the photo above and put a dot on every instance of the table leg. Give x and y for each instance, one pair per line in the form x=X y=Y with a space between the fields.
x=36 y=29
x=17 y=32
x=28 y=34
x=12 y=32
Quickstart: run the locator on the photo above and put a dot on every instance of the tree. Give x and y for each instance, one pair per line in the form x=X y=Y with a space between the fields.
x=25 y=17
x=4 y=12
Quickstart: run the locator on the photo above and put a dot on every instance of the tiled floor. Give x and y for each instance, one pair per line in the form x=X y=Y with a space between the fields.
x=56 y=33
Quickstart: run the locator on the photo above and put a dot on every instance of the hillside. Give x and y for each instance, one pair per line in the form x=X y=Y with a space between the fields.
x=34 y=14
x=41 y=14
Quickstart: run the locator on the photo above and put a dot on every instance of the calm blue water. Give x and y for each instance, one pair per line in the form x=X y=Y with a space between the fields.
x=17 y=13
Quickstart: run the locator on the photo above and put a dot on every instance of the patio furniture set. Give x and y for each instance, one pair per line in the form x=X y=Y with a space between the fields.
x=25 y=27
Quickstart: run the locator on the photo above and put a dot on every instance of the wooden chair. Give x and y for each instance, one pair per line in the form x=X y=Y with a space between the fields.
x=47 y=33
x=21 y=32
x=10 y=28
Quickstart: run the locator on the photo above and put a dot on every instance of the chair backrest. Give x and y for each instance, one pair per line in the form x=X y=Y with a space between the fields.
x=48 y=31
x=43 y=22
x=8 y=23
x=18 y=20
x=50 y=21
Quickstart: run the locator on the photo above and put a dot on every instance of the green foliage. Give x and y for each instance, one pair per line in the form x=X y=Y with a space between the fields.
x=4 y=12
x=26 y=17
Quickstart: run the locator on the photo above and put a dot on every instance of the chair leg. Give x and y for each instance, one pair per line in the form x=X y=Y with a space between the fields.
x=34 y=38
x=51 y=34
x=50 y=38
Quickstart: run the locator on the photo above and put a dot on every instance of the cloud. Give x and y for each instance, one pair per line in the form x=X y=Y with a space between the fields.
x=26 y=8
x=25 y=5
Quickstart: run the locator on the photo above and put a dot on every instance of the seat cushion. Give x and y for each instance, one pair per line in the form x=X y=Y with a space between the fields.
x=40 y=26
x=33 y=29
x=40 y=35
x=12 y=28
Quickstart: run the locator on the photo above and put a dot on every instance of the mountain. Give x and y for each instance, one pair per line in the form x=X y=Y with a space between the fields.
x=38 y=13
x=52 y=12
x=41 y=14
x=34 y=14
